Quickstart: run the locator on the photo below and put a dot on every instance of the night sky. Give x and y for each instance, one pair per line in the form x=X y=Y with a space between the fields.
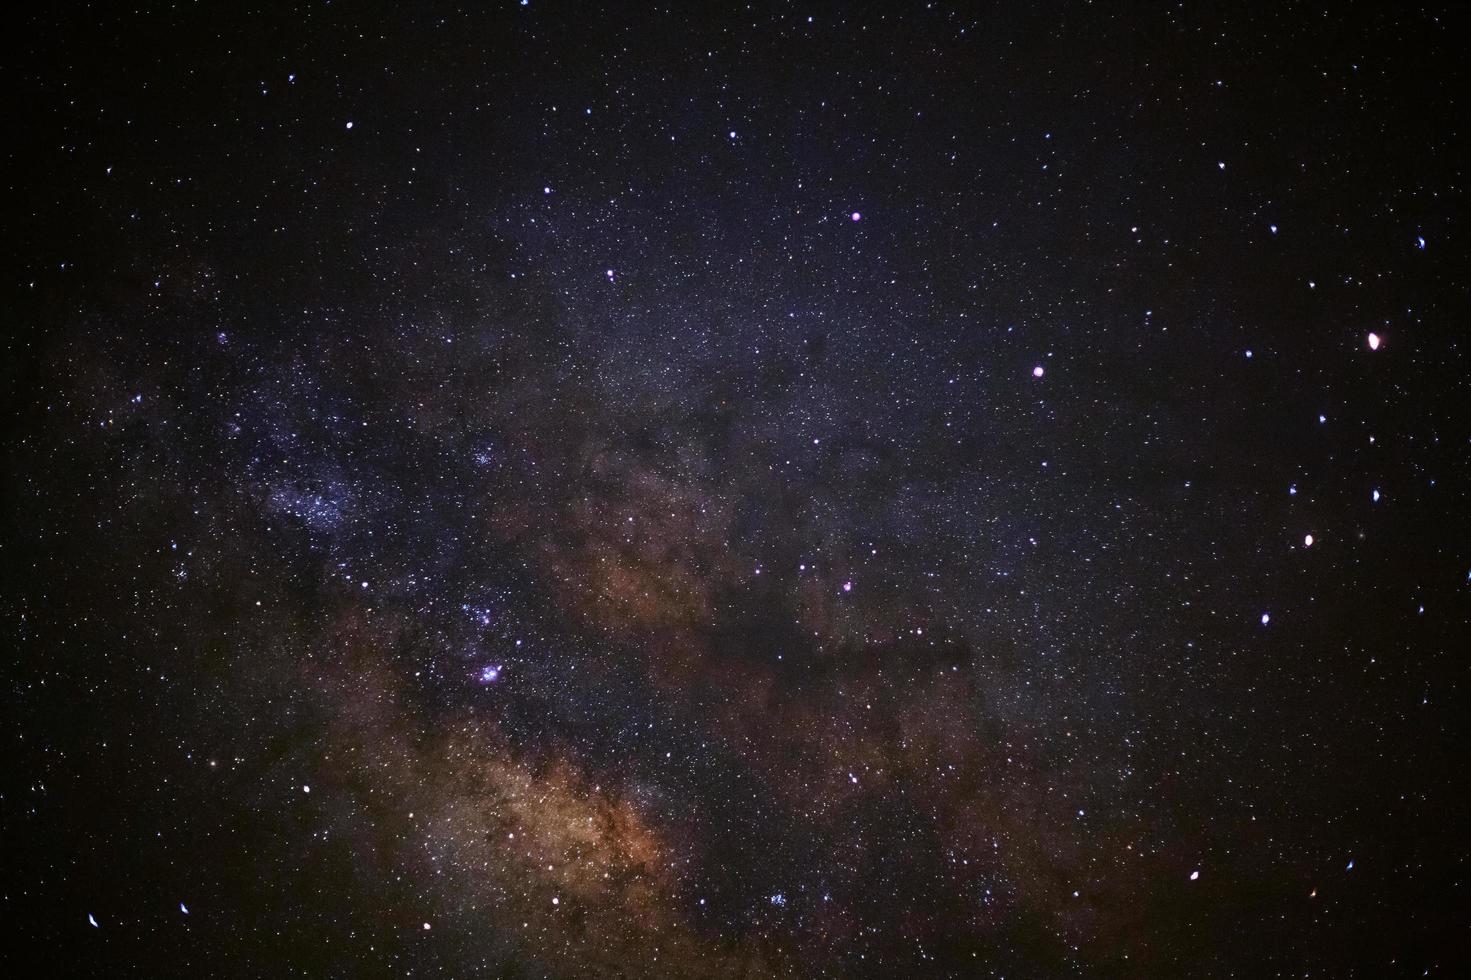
x=554 y=490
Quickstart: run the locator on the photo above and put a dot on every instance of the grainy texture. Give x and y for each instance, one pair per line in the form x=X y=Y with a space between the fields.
x=735 y=490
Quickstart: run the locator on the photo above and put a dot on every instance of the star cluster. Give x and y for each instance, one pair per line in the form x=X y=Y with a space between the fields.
x=557 y=490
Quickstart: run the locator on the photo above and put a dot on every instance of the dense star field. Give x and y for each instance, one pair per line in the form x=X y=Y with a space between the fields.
x=546 y=489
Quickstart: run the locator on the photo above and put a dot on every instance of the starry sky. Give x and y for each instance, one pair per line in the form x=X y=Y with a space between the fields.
x=553 y=489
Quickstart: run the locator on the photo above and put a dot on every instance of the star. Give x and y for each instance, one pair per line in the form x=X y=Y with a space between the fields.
x=342 y=461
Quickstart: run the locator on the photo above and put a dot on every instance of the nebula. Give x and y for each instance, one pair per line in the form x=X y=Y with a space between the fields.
x=562 y=491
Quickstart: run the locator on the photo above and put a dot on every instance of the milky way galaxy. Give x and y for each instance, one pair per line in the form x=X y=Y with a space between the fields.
x=536 y=489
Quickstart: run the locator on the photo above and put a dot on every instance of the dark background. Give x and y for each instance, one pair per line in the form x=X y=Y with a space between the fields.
x=568 y=359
